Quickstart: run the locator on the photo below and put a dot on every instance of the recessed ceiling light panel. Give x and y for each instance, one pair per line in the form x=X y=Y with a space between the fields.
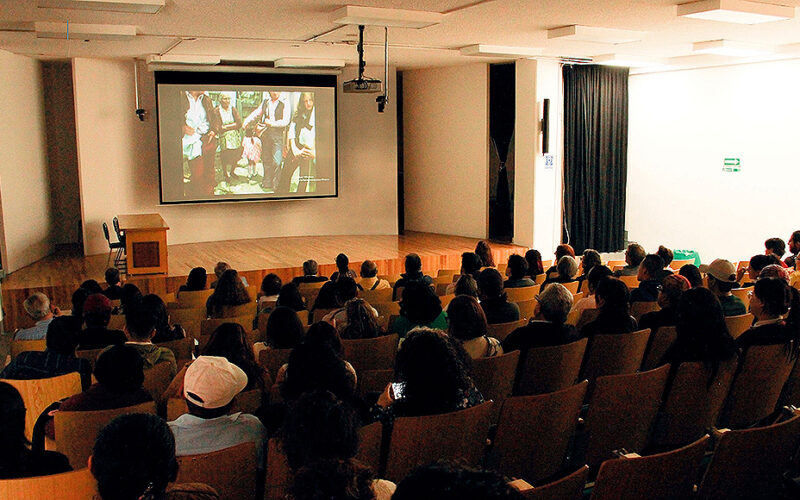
x=729 y=48
x=72 y=31
x=628 y=61
x=595 y=34
x=735 y=11
x=183 y=59
x=393 y=18
x=500 y=51
x=302 y=62
x=136 y=6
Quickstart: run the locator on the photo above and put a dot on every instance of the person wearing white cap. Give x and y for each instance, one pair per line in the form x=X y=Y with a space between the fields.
x=209 y=386
x=721 y=280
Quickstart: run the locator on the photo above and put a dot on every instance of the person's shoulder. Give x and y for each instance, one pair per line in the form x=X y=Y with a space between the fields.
x=191 y=491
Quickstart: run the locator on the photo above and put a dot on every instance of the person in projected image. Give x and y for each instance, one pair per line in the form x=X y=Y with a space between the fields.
x=302 y=149
x=271 y=118
x=230 y=143
x=201 y=129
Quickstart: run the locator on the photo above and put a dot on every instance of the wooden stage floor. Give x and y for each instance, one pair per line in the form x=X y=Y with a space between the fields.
x=58 y=275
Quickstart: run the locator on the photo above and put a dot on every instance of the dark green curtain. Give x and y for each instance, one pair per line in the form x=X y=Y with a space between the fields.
x=595 y=156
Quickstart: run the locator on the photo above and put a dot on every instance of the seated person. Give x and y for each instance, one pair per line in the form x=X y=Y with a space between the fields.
x=284 y=331
x=449 y=481
x=776 y=247
x=361 y=321
x=467 y=285
x=134 y=458
x=289 y=296
x=517 y=272
x=343 y=269
x=93 y=286
x=772 y=298
x=554 y=305
x=229 y=292
x=672 y=287
x=345 y=290
x=534 y=260
x=220 y=269
x=493 y=299
x=131 y=298
x=634 y=255
x=326 y=297
x=794 y=250
x=310 y=270
x=16 y=459
x=649 y=281
x=667 y=256
x=209 y=386
x=413 y=265
x=484 y=252
x=196 y=280
x=566 y=269
x=321 y=333
x=114 y=290
x=57 y=359
x=78 y=299
x=320 y=439
x=612 y=298
x=165 y=332
x=561 y=251
x=590 y=259
x=419 y=307
x=470 y=266
x=468 y=326
x=588 y=302
x=721 y=280
x=140 y=329
x=369 y=277
x=692 y=273
x=96 y=315
x=774 y=271
x=37 y=306
x=270 y=288
x=756 y=264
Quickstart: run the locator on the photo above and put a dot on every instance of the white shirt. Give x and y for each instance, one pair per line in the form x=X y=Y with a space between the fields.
x=195 y=435
x=197 y=119
x=271 y=119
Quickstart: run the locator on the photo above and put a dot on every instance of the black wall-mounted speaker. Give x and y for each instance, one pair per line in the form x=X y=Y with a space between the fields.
x=546 y=126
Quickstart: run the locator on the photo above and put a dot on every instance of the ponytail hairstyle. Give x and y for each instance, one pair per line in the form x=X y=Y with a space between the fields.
x=361 y=321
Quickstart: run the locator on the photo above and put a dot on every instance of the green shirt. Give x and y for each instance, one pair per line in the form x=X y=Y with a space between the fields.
x=402 y=325
x=732 y=305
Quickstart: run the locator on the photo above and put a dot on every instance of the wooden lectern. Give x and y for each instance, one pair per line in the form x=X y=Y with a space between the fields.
x=145 y=243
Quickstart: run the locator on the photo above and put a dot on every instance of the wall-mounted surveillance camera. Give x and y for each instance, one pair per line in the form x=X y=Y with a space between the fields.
x=141 y=113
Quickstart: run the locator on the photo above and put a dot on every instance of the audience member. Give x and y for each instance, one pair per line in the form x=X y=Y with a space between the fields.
x=79 y=297
x=672 y=287
x=92 y=285
x=770 y=301
x=141 y=328
x=794 y=249
x=284 y=329
x=484 y=251
x=196 y=280
x=721 y=276
x=590 y=259
x=37 y=306
x=134 y=459
x=57 y=359
x=346 y=290
x=413 y=265
x=209 y=386
x=776 y=247
x=114 y=290
x=468 y=326
x=566 y=269
x=471 y=264
x=612 y=299
x=229 y=292
x=220 y=269
x=310 y=270
x=361 y=321
x=96 y=315
x=691 y=273
x=432 y=375
x=467 y=285
x=342 y=269
x=494 y=300
x=634 y=255
x=534 y=260
x=369 y=277
x=554 y=306
x=561 y=251
x=754 y=267
x=289 y=296
x=315 y=366
x=419 y=307
x=230 y=341
x=649 y=279
x=154 y=305
x=131 y=298
x=446 y=481
x=588 y=301
x=16 y=459
x=517 y=272
x=326 y=297
x=270 y=288
x=667 y=256
x=774 y=271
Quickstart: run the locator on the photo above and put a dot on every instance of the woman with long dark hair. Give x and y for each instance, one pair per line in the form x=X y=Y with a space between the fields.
x=230 y=291
x=484 y=251
x=302 y=148
x=612 y=297
x=154 y=305
x=196 y=281
x=420 y=307
x=535 y=266
x=361 y=321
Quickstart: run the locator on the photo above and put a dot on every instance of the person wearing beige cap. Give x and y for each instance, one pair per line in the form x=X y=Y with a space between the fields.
x=721 y=280
x=209 y=386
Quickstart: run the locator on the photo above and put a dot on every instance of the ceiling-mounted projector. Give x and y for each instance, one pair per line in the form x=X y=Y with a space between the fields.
x=362 y=84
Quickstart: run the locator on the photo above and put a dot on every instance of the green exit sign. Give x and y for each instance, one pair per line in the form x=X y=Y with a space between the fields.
x=731 y=165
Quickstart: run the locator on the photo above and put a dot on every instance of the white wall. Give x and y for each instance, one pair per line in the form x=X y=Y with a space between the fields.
x=446 y=137
x=24 y=184
x=682 y=126
x=118 y=162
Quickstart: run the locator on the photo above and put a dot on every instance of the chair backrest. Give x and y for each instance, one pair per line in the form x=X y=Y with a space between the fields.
x=587 y=316
x=540 y=278
x=369 y=445
x=693 y=403
x=441 y=288
x=182 y=348
x=737 y=325
x=115 y=223
x=185 y=315
x=248 y=309
x=494 y=377
x=569 y=487
x=501 y=330
x=387 y=309
x=116 y=322
x=522 y=293
x=20 y=346
x=742 y=293
x=614 y=354
x=175 y=408
x=157 y=379
x=105 y=233
x=676 y=265
x=279 y=476
x=631 y=281
x=572 y=286
x=526 y=308
x=756 y=388
x=38 y=394
x=550 y=369
x=447 y=272
x=232 y=471
x=272 y=360
x=622 y=411
x=459 y=435
x=446 y=299
x=534 y=433
x=374 y=380
x=660 y=341
x=76 y=431
x=664 y=476
x=207 y=326
x=611 y=264
x=194 y=298
x=638 y=309
x=749 y=463
x=371 y=354
x=382 y=295
x=791 y=390
x=90 y=355
x=318 y=314
x=75 y=485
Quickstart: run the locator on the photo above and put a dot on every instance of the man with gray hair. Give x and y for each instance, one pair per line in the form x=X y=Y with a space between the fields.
x=38 y=307
x=310 y=273
x=554 y=305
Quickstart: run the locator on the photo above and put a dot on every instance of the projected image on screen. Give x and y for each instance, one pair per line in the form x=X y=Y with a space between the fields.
x=221 y=144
